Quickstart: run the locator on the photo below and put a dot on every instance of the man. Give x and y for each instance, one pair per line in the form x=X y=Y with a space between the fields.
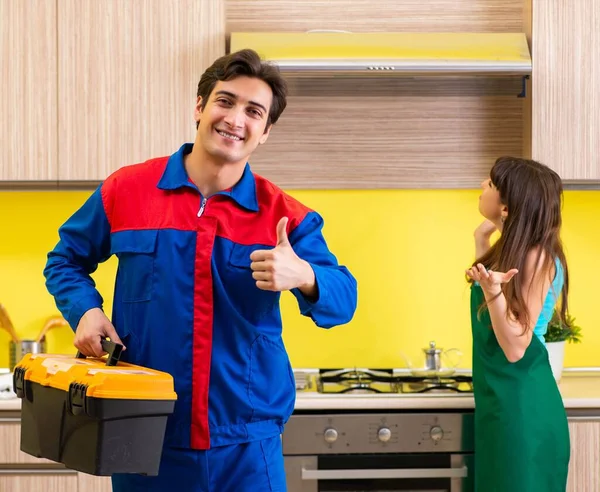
x=205 y=247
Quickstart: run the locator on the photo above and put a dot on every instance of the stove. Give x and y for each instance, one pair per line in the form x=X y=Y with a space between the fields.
x=377 y=381
x=396 y=449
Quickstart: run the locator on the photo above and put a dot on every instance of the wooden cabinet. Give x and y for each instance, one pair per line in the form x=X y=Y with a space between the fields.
x=566 y=87
x=20 y=472
x=584 y=468
x=10 y=445
x=28 y=90
x=98 y=85
x=127 y=79
x=26 y=481
x=90 y=483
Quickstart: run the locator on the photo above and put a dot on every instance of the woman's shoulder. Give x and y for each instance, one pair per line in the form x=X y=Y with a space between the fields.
x=536 y=265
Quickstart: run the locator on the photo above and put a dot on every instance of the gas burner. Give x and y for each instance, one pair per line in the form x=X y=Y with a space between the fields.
x=436 y=386
x=359 y=380
x=451 y=383
x=355 y=381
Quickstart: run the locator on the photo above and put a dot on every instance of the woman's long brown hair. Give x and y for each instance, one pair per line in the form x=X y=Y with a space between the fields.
x=532 y=193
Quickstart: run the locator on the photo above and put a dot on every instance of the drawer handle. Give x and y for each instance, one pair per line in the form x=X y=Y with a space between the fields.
x=384 y=473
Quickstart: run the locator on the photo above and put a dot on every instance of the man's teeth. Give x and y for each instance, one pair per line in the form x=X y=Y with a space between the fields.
x=228 y=135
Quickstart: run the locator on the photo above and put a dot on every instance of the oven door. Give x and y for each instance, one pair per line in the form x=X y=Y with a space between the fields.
x=378 y=473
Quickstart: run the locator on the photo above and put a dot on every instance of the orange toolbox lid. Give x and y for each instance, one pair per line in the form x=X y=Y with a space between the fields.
x=120 y=381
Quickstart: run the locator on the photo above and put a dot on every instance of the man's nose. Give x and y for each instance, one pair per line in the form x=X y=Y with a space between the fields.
x=235 y=117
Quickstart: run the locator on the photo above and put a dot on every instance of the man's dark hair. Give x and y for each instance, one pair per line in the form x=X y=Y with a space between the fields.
x=249 y=64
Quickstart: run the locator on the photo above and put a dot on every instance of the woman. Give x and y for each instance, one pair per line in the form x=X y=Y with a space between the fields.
x=521 y=433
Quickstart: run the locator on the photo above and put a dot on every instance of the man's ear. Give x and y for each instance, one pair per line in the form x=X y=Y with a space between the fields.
x=265 y=135
x=198 y=109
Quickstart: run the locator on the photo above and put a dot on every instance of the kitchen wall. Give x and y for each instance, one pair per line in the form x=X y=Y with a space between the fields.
x=407 y=248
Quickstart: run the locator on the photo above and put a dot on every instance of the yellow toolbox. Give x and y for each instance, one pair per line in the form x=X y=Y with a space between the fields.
x=95 y=415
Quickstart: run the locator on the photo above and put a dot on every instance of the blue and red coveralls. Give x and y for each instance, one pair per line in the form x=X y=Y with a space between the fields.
x=185 y=303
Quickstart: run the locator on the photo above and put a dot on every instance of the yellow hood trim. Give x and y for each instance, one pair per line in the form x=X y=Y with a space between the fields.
x=506 y=53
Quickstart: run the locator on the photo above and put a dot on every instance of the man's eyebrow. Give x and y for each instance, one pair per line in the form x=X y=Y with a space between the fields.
x=233 y=96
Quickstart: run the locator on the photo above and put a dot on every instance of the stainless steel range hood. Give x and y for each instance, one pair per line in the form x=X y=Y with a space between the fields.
x=401 y=53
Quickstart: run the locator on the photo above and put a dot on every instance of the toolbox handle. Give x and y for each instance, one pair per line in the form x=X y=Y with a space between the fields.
x=113 y=349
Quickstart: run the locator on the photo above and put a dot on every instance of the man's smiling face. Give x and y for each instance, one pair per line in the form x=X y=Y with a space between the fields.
x=234 y=120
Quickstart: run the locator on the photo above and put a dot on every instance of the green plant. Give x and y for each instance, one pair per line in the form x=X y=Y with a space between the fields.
x=559 y=331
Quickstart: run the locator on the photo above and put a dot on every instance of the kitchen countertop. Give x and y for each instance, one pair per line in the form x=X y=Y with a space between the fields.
x=580 y=389
x=10 y=404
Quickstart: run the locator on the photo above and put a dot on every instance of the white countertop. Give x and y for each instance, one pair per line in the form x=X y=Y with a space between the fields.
x=580 y=390
x=10 y=404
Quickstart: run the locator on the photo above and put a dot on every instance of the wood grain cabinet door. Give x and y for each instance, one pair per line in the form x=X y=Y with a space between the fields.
x=28 y=90
x=584 y=467
x=127 y=79
x=566 y=87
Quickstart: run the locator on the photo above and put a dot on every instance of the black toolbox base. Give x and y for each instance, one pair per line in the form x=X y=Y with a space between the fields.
x=105 y=437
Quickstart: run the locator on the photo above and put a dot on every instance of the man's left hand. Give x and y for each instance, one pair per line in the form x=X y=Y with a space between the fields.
x=280 y=268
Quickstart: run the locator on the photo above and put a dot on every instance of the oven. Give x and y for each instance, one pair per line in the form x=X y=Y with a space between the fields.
x=397 y=449
x=399 y=452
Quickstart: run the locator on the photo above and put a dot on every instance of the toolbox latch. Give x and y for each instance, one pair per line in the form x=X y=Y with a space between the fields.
x=19 y=382
x=76 y=399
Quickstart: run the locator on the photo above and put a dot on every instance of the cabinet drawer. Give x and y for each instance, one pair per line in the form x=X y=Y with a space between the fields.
x=22 y=481
x=10 y=444
x=90 y=483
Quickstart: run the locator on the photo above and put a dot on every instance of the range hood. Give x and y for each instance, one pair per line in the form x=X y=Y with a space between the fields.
x=408 y=53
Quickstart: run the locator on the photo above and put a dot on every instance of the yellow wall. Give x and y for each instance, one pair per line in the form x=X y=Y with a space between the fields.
x=408 y=250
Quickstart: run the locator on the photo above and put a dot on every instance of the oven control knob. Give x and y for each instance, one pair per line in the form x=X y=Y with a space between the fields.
x=384 y=434
x=436 y=433
x=330 y=435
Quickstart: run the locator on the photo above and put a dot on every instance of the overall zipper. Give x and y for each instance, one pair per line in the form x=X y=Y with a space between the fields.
x=202 y=207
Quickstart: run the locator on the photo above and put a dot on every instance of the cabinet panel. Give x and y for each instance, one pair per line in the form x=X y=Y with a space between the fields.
x=23 y=481
x=128 y=74
x=417 y=132
x=90 y=483
x=382 y=16
x=28 y=91
x=10 y=445
x=566 y=87
x=584 y=468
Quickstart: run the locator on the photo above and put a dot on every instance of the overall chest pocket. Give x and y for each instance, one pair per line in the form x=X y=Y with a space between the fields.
x=239 y=259
x=136 y=251
x=251 y=301
x=240 y=256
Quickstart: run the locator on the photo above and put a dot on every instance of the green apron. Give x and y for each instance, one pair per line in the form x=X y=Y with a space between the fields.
x=521 y=432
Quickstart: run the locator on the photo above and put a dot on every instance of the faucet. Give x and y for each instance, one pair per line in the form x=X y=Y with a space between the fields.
x=6 y=323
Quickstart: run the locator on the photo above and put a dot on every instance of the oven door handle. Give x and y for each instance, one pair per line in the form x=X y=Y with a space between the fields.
x=384 y=473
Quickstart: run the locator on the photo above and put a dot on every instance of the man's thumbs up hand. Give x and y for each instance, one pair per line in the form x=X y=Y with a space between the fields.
x=280 y=268
x=282 y=238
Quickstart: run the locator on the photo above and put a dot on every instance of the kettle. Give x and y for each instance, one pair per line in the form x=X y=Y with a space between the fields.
x=438 y=362
x=434 y=356
x=18 y=349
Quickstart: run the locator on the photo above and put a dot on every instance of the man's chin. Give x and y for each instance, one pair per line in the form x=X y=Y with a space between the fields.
x=226 y=158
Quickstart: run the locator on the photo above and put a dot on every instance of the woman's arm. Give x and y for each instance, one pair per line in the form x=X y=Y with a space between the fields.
x=482 y=236
x=535 y=286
